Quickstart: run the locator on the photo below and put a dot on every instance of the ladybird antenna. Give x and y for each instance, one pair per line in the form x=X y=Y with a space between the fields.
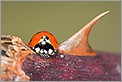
x=78 y=43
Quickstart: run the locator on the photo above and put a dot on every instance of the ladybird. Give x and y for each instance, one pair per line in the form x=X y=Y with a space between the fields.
x=44 y=44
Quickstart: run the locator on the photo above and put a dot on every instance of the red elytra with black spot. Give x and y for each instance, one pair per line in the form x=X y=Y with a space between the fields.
x=36 y=38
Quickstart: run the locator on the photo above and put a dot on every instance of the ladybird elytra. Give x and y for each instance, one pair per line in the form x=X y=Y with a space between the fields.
x=35 y=39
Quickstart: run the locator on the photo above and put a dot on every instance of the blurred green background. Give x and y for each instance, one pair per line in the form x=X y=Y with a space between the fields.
x=63 y=19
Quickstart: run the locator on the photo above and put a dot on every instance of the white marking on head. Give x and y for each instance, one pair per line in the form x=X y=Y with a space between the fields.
x=52 y=54
x=50 y=51
x=37 y=49
x=42 y=51
x=45 y=51
x=43 y=42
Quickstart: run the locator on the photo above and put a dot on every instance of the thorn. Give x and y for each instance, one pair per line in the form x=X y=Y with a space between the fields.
x=78 y=43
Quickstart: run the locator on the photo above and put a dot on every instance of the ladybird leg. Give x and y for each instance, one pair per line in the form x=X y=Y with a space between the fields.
x=44 y=55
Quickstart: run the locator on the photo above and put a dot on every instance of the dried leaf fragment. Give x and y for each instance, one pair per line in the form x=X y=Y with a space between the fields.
x=12 y=54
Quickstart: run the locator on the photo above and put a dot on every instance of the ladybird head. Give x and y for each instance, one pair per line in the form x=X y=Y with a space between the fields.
x=44 y=43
